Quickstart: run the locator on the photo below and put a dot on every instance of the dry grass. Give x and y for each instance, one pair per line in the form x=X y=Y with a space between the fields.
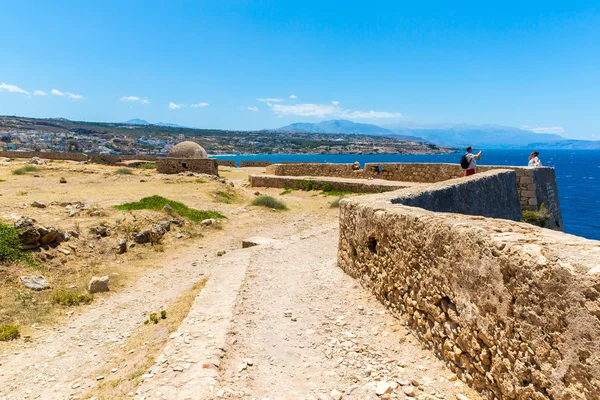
x=147 y=342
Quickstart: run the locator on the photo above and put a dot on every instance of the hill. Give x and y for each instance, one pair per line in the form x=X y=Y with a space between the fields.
x=137 y=121
x=345 y=127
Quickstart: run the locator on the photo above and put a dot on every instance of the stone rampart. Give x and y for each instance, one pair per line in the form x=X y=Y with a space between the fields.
x=513 y=309
x=248 y=163
x=48 y=155
x=176 y=165
x=351 y=185
x=536 y=186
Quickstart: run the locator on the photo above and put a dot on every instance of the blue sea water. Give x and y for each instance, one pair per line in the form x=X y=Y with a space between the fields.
x=577 y=175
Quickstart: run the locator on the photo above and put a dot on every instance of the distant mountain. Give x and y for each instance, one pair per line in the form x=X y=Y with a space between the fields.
x=568 y=145
x=345 y=126
x=137 y=121
x=483 y=136
x=168 y=125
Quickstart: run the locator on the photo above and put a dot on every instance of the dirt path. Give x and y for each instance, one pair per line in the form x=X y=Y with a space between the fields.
x=65 y=361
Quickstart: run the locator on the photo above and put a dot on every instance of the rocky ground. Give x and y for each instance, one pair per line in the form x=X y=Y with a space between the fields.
x=274 y=321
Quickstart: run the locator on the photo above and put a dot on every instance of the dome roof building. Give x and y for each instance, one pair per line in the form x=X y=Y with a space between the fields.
x=188 y=149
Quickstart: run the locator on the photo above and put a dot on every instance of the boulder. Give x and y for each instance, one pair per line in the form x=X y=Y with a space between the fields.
x=38 y=204
x=63 y=180
x=122 y=246
x=142 y=236
x=208 y=222
x=28 y=234
x=34 y=282
x=383 y=388
x=98 y=284
x=37 y=161
x=74 y=213
x=166 y=225
x=49 y=235
x=96 y=213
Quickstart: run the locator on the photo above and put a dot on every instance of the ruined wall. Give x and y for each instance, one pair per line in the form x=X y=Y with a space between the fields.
x=255 y=163
x=227 y=163
x=490 y=194
x=292 y=182
x=48 y=155
x=177 y=165
x=111 y=159
x=513 y=309
x=314 y=169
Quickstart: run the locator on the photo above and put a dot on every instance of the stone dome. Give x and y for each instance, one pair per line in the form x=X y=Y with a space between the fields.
x=188 y=150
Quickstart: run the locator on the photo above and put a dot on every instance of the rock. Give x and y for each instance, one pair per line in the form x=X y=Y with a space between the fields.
x=166 y=225
x=142 y=236
x=64 y=236
x=37 y=161
x=168 y=208
x=355 y=166
x=38 y=204
x=336 y=394
x=96 y=213
x=28 y=234
x=49 y=235
x=74 y=234
x=157 y=232
x=98 y=284
x=74 y=213
x=383 y=388
x=63 y=180
x=208 y=222
x=34 y=282
x=99 y=230
x=122 y=246
x=461 y=397
x=180 y=235
x=256 y=241
x=221 y=253
x=178 y=222
x=409 y=390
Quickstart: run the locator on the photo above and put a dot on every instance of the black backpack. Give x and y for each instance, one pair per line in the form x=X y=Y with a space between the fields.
x=464 y=162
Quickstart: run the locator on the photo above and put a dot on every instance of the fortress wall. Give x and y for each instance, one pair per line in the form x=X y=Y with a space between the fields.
x=227 y=163
x=48 y=155
x=255 y=163
x=176 y=165
x=513 y=309
x=536 y=186
x=291 y=182
x=110 y=159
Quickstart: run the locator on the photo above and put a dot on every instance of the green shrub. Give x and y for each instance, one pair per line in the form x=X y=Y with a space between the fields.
x=124 y=171
x=163 y=314
x=24 y=170
x=158 y=202
x=306 y=185
x=69 y=298
x=327 y=187
x=10 y=247
x=153 y=318
x=270 y=202
x=539 y=217
x=8 y=332
x=147 y=165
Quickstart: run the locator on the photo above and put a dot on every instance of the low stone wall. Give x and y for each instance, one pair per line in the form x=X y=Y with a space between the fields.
x=110 y=159
x=177 y=165
x=48 y=155
x=513 y=309
x=315 y=169
x=255 y=163
x=292 y=182
x=227 y=163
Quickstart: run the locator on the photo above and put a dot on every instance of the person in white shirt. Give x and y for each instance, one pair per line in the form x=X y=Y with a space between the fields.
x=534 y=161
x=472 y=158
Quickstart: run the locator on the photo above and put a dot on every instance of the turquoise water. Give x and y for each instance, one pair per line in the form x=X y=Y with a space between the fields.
x=577 y=175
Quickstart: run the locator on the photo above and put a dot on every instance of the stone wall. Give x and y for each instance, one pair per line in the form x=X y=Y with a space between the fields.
x=177 y=165
x=535 y=185
x=48 y=155
x=227 y=163
x=513 y=309
x=255 y=163
x=292 y=182
x=111 y=159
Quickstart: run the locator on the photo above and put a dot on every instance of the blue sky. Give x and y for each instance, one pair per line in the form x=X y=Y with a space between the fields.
x=265 y=64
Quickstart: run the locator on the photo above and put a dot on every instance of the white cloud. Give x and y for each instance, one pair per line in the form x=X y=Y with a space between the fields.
x=255 y=109
x=293 y=96
x=326 y=110
x=135 y=98
x=12 y=88
x=200 y=105
x=40 y=93
x=335 y=103
x=545 y=129
x=174 y=106
x=66 y=94
x=269 y=100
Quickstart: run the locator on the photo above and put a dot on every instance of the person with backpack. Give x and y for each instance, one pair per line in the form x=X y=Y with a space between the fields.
x=468 y=161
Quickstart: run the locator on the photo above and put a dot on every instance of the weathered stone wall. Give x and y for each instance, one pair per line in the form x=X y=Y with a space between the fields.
x=255 y=163
x=227 y=163
x=535 y=185
x=177 y=165
x=292 y=182
x=513 y=309
x=48 y=155
x=490 y=194
x=110 y=159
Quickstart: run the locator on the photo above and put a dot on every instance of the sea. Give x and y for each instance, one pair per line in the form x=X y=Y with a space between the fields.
x=577 y=175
